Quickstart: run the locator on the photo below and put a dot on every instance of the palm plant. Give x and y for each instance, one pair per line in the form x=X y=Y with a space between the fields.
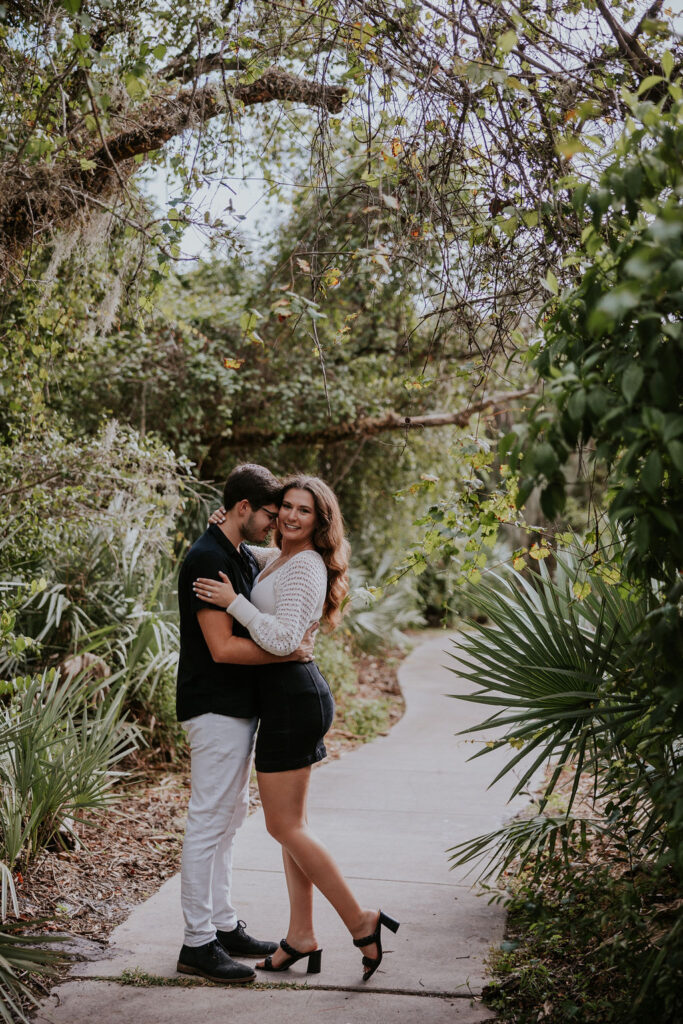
x=375 y=623
x=575 y=674
x=145 y=645
x=21 y=955
x=559 y=669
x=111 y=599
x=59 y=746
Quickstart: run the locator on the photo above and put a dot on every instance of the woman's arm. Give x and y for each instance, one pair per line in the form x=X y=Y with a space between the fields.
x=262 y=556
x=236 y=650
x=300 y=588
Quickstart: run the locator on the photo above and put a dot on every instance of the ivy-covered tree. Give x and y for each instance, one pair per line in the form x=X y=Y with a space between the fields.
x=468 y=118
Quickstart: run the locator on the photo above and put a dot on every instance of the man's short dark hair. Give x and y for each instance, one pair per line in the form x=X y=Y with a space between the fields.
x=253 y=482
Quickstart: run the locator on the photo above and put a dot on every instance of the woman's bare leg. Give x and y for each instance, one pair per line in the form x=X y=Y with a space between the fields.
x=300 y=890
x=300 y=933
x=283 y=796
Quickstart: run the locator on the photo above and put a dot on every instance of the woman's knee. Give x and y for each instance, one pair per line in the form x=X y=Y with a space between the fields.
x=282 y=828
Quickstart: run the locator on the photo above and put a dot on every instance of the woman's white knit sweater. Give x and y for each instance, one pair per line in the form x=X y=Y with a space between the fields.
x=300 y=586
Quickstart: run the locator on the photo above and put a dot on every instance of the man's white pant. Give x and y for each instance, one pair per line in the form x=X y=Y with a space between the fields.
x=221 y=749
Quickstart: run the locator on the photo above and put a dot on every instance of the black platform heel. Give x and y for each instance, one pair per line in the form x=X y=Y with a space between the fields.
x=314 y=959
x=371 y=963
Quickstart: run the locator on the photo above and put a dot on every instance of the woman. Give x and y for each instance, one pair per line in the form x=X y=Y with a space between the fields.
x=301 y=580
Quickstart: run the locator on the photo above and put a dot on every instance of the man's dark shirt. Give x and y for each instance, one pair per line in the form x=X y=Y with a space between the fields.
x=203 y=684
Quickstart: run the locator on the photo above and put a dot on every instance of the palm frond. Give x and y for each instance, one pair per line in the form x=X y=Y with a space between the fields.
x=22 y=955
x=553 y=670
x=525 y=840
x=59 y=744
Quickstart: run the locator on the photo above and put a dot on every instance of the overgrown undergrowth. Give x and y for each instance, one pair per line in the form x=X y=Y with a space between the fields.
x=581 y=945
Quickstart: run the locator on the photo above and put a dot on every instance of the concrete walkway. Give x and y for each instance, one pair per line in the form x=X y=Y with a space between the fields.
x=388 y=811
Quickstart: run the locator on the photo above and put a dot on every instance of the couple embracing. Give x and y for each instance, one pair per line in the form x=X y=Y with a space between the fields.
x=249 y=668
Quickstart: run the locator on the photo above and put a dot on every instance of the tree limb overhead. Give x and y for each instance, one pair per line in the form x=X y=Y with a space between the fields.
x=369 y=426
x=48 y=199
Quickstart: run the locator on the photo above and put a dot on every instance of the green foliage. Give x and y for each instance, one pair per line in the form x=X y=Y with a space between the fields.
x=166 y=373
x=191 y=377
x=114 y=623
x=575 y=676
x=59 y=487
x=375 y=616
x=461 y=527
x=415 y=153
x=564 y=662
x=85 y=588
x=366 y=717
x=560 y=670
x=579 y=949
x=334 y=658
x=613 y=351
x=152 y=706
x=336 y=655
x=20 y=957
x=59 y=744
x=84 y=561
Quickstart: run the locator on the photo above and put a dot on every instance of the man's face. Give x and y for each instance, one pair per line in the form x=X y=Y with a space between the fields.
x=260 y=523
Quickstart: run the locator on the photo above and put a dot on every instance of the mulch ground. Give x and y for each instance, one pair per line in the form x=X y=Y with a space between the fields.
x=126 y=851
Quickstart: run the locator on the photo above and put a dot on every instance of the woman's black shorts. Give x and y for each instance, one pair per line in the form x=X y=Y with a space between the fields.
x=296 y=710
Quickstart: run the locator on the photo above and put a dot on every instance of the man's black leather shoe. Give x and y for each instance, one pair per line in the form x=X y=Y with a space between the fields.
x=238 y=943
x=212 y=962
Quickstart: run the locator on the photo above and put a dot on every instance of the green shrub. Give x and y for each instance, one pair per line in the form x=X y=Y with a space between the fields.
x=153 y=708
x=374 y=619
x=22 y=955
x=580 y=948
x=59 y=744
x=366 y=717
x=337 y=659
x=565 y=669
x=334 y=658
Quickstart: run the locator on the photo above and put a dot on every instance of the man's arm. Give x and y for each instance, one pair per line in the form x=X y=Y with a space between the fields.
x=236 y=650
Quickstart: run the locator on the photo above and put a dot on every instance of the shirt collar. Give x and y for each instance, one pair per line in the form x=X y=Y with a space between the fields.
x=226 y=544
x=245 y=558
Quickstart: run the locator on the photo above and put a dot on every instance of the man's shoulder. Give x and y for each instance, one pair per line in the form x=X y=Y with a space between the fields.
x=204 y=548
x=205 y=540
x=207 y=543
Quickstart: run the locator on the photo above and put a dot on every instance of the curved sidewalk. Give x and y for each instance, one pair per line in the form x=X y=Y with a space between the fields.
x=388 y=813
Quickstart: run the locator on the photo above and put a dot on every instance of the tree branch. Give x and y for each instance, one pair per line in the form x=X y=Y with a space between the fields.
x=630 y=48
x=173 y=115
x=186 y=69
x=47 y=200
x=370 y=426
x=651 y=12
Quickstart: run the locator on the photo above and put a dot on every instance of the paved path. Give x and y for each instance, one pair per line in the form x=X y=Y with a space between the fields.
x=388 y=811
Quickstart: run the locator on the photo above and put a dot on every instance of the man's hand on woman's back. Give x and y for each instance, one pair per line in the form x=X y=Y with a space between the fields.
x=304 y=651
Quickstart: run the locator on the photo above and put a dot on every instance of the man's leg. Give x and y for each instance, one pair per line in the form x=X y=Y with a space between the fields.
x=221 y=757
x=224 y=915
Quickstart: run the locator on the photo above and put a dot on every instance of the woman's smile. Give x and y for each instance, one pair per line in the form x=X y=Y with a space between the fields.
x=297 y=515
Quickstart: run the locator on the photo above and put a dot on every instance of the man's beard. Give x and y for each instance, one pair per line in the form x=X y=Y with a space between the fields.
x=250 y=532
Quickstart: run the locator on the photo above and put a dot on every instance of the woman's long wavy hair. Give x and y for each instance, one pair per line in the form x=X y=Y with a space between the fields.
x=328 y=539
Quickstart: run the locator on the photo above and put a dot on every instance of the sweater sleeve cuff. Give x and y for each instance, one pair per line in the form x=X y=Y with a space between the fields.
x=242 y=610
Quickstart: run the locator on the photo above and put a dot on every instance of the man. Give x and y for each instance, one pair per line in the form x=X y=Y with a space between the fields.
x=217 y=704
